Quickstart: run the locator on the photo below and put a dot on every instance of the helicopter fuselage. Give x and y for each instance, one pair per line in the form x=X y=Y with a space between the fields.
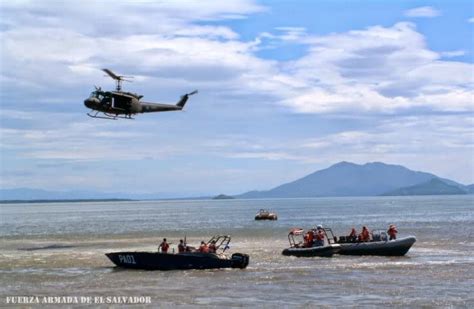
x=126 y=103
x=113 y=102
x=122 y=104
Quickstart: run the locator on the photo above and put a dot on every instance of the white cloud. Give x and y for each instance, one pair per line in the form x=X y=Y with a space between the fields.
x=470 y=20
x=423 y=11
x=377 y=70
x=401 y=140
x=453 y=53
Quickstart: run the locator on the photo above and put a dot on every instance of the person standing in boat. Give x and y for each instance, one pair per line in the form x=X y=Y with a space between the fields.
x=353 y=234
x=308 y=239
x=392 y=232
x=319 y=236
x=365 y=234
x=181 y=246
x=164 y=246
x=212 y=247
x=203 y=248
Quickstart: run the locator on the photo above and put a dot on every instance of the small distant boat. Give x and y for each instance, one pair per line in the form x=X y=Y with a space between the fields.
x=298 y=248
x=264 y=214
x=378 y=245
x=184 y=260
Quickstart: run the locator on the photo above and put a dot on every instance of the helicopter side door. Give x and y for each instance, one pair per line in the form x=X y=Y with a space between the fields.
x=121 y=102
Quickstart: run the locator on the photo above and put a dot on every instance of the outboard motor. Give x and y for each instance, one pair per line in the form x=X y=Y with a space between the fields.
x=240 y=260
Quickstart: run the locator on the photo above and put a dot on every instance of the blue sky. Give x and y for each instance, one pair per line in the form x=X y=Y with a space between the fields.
x=286 y=88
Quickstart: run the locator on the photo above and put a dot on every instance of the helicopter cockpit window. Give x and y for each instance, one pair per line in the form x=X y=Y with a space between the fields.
x=97 y=94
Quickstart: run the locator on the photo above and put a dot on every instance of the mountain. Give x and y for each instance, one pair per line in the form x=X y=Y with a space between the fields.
x=470 y=189
x=341 y=179
x=349 y=179
x=434 y=186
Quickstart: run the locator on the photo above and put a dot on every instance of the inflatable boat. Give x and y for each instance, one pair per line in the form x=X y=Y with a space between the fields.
x=264 y=214
x=378 y=245
x=308 y=248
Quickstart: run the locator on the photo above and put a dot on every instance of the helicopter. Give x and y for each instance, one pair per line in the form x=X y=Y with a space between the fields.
x=121 y=104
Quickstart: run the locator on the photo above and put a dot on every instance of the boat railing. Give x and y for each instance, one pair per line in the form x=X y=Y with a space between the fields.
x=291 y=237
x=331 y=239
x=221 y=242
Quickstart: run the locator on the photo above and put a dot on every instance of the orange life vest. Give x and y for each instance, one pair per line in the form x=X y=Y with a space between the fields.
x=320 y=235
x=164 y=247
x=204 y=249
x=365 y=236
x=212 y=248
x=392 y=231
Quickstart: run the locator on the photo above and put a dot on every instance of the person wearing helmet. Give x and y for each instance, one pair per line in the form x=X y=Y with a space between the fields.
x=319 y=236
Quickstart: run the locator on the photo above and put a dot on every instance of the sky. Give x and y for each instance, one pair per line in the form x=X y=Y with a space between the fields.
x=285 y=88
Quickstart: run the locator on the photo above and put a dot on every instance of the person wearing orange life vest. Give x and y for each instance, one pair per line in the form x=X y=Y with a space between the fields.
x=310 y=239
x=392 y=232
x=203 y=248
x=164 y=246
x=319 y=236
x=365 y=234
x=212 y=247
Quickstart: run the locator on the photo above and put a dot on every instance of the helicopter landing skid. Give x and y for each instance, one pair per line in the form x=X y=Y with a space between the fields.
x=109 y=116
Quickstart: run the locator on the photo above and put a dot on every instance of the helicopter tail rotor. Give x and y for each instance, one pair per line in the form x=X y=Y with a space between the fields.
x=184 y=99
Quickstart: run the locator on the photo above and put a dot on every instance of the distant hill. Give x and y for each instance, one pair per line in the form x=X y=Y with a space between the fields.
x=223 y=197
x=434 y=186
x=28 y=194
x=349 y=179
x=62 y=201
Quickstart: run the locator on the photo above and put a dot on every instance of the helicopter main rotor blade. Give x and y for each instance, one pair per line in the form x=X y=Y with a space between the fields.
x=112 y=74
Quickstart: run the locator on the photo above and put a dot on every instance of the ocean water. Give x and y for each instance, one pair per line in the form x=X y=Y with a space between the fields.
x=58 y=250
